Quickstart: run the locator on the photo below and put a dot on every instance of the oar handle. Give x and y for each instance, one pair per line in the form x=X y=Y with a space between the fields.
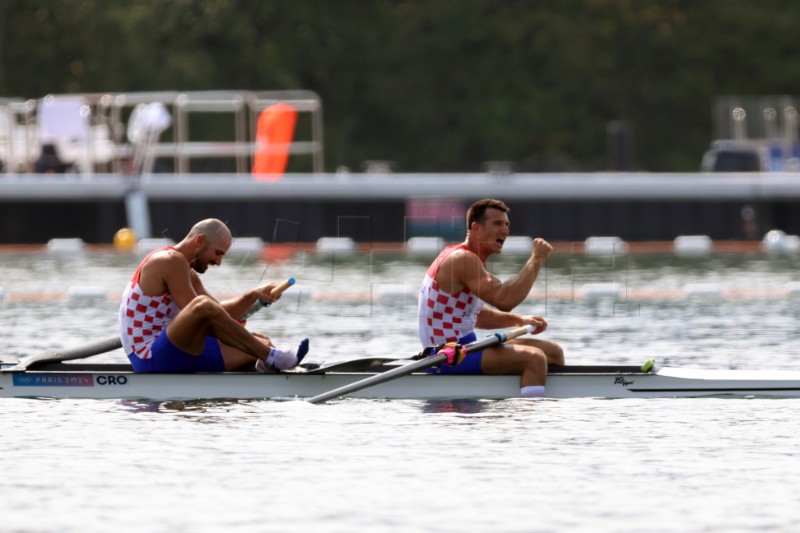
x=261 y=304
x=491 y=340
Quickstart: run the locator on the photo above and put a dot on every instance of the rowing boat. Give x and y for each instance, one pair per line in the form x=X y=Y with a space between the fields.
x=117 y=381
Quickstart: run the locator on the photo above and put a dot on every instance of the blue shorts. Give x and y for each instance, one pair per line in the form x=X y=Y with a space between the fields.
x=470 y=365
x=165 y=357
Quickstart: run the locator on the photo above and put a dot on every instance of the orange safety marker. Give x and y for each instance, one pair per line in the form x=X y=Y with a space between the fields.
x=273 y=136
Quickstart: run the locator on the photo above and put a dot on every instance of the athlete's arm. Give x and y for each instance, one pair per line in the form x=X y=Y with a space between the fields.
x=465 y=269
x=489 y=318
x=238 y=306
x=197 y=284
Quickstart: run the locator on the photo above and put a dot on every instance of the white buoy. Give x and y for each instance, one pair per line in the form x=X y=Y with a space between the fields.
x=424 y=246
x=394 y=293
x=246 y=247
x=692 y=245
x=793 y=288
x=601 y=290
x=86 y=292
x=145 y=246
x=776 y=242
x=703 y=290
x=605 y=246
x=341 y=246
x=518 y=245
x=66 y=246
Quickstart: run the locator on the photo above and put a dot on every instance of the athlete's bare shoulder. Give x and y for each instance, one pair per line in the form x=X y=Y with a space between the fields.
x=162 y=267
x=456 y=269
x=463 y=258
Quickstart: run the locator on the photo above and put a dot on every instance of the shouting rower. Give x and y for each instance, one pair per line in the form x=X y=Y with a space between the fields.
x=170 y=323
x=455 y=288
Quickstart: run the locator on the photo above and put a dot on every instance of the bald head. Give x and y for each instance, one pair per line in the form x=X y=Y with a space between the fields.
x=214 y=230
x=206 y=244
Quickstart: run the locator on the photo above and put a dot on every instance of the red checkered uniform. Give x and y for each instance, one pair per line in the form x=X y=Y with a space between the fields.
x=143 y=318
x=445 y=317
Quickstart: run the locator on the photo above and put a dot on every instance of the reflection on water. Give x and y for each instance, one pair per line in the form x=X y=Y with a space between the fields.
x=468 y=407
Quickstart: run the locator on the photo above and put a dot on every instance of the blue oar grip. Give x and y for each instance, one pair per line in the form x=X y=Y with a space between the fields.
x=501 y=337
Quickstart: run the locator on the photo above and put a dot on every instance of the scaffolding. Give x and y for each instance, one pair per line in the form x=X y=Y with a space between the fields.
x=209 y=131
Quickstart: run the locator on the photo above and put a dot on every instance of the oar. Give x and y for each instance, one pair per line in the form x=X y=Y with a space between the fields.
x=261 y=304
x=95 y=348
x=497 y=338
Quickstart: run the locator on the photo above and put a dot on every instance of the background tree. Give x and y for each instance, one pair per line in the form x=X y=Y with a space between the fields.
x=434 y=86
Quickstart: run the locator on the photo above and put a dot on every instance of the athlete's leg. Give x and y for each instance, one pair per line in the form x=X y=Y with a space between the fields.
x=554 y=352
x=236 y=359
x=203 y=317
x=526 y=361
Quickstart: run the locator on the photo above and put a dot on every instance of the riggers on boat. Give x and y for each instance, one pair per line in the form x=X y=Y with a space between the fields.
x=117 y=381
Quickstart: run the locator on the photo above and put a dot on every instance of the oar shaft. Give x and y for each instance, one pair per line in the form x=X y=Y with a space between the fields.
x=95 y=348
x=497 y=338
x=380 y=378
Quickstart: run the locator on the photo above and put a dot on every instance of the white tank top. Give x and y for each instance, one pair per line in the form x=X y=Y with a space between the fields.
x=445 y=317
x=143 y=318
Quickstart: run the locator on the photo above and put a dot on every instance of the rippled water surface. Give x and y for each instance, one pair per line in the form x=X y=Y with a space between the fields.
x=365 y=465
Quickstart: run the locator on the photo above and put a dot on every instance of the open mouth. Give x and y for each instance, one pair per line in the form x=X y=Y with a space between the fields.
x=500 y=242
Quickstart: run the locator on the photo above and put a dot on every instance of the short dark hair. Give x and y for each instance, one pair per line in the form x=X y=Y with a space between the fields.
x=477 y=211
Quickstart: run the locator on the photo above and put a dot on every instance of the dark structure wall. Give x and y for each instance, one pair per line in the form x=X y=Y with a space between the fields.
x=31 y=222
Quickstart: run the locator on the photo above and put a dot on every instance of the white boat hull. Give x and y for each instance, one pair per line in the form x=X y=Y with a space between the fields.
x=601 y=382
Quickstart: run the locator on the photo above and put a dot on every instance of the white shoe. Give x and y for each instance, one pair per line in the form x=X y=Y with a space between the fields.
x=263 y=368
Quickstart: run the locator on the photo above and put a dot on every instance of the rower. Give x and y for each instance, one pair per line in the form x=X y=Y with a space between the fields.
x=169 y=322
x=456 y=287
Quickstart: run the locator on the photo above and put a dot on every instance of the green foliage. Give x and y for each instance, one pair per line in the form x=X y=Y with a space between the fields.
x=440 y=85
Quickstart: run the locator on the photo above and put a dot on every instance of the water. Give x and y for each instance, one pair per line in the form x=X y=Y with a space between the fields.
x=366 y=465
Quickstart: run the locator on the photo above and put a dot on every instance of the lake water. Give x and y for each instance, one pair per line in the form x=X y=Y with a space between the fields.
x=365 y=465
